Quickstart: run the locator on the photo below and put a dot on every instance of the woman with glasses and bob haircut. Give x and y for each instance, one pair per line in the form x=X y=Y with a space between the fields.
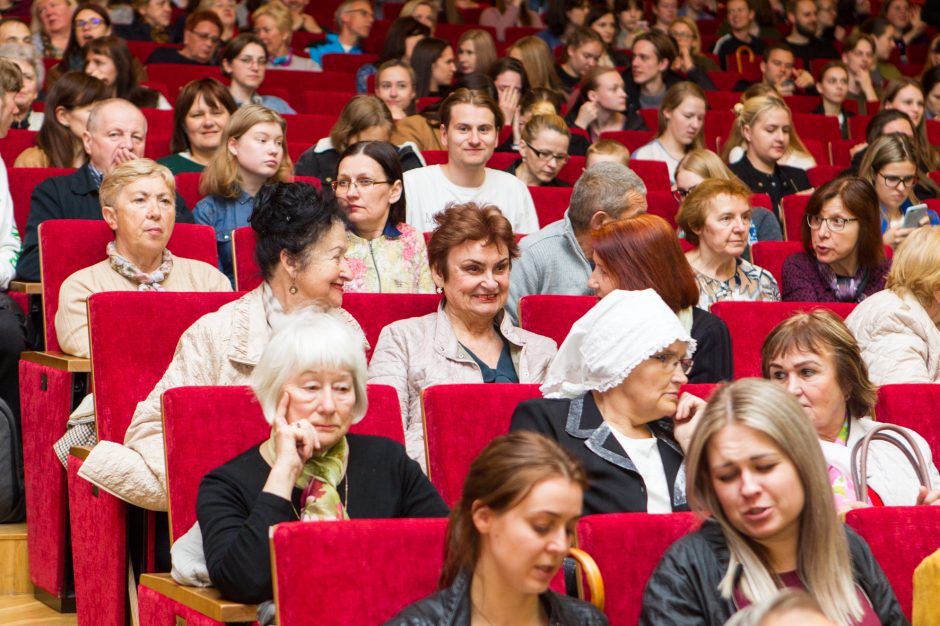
x=643 y=252
x=890 y=165
x=611 y=398
x=757 y=474
x=843 y=257
x=897 y=329
x=544 y=152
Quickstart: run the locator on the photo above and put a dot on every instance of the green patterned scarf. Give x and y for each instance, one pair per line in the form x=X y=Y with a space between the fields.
x=319 y=479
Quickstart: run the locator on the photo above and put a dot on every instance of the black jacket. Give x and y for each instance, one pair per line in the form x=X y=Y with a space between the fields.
x=683 y=590
x=784 y=181
x=670 y=78
x=451 y=607
x=70 y=197
x=615 y=485
x=235 y=514
x=713 y=358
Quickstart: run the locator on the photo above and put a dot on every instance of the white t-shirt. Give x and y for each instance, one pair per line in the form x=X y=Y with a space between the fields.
x=645 y=455
x=428 y=191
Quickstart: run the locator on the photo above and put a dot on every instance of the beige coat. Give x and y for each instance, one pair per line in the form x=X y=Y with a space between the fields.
x=417 y=353
x=899 y=341
x=71 y=320
x=221 y=348
x=415 y=128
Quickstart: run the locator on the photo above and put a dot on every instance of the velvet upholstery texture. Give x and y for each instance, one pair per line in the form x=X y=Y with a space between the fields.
x=66 y=246
x=375 y=311
x=770 y=255
x=552 y=316
x=662 y=203
x=913 y=406
x=654 y=173
x=158 y=610
x=750 y=322
x=627 y=547
x=22 y=183
x=459 y=420
x=118 y=346
x=702 y=390
x=187 y=186
x=793 y=208
x=900 y=538
x=247 y=273
x=99 y=531
x=550 y=203
x=927 y=591
x=45 y=396
x=385 y=565
x=233 y=417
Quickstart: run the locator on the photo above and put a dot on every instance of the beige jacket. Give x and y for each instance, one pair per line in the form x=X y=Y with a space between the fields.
x=71 y=320
x=899 y=341
x=417 y=353
x=415 y=128
x=221 y=348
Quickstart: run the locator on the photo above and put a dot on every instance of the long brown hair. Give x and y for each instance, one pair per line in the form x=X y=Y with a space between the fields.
x=502 y=476
x=73 y=90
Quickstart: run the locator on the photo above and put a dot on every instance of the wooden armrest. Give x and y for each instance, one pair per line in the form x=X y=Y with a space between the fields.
x=927 y=591
x=205 y=600
x=80 y=452
x=59 y=361
x=593 y=575
x=21 y=286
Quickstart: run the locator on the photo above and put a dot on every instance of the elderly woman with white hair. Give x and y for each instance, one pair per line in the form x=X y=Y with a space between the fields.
x=34 y=73
x=311 y=383
x=611 y=398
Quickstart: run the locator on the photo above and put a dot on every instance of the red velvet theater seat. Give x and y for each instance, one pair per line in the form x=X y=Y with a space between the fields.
x=459 y=420
x=552 y=316
x=384 y=566
x=550 y=203
x=375 y=311
x=22 y=182
x=187 y=185
x=750 y=322
x=770 y=255
x=654 y=173
x=627 y=547
x=900 y=538
x=793 y=208
x=914 y=407
x=247 y=273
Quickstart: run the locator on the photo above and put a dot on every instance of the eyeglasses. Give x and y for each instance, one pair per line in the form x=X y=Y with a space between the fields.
x=362 y=12
x=835 y=224
x=249 y=61
x=546 y=155
x=94 y=21
x=207 y=37
x=363 y=184
x=895 y=181
x=679 y=194
x=670 y=361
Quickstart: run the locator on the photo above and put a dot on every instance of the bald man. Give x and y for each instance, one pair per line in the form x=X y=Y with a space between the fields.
x=116 y=132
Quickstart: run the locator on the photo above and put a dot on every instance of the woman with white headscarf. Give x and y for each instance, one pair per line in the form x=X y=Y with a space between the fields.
x=611 y=398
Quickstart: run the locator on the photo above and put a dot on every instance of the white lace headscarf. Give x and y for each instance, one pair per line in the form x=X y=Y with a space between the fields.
x=616 y=335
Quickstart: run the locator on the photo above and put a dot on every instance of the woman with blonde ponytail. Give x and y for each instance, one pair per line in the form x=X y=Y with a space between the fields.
x=757 y=474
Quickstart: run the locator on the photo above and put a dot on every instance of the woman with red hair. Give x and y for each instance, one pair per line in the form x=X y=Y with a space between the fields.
x=643 y=252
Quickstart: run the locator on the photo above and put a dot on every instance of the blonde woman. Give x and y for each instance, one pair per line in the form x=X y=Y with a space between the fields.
x=252 y=153
x=681 y=120
x=476 y=52
x=539 y=64
x=685 y=31
x=425 y=11
x=274 y=25
x=764 y=126
x=756 y=471
x=544 y=152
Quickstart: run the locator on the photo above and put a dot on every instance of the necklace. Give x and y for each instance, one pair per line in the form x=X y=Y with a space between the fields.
x=345 y=498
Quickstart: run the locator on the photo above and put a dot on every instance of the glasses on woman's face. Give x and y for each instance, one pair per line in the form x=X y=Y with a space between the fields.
x=670 y=361
x=362 y=185
x=547 y=155
x=835 y=224
x=92 y=22
x=895 y=181
x=679 y=194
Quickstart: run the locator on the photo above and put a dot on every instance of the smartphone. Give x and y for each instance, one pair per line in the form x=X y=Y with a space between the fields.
x=915 y=214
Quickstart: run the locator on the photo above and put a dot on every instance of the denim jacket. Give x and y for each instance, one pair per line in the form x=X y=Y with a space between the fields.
x=224 y=215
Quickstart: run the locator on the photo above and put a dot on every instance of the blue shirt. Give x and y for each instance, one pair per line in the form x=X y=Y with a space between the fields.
x=224 y=215
x=330 y=46
x=272 y=102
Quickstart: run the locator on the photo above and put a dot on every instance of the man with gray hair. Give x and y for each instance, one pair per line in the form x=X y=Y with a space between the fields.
x=354 y=19
x=116 y=132
x=34 y=73
x=558 y=258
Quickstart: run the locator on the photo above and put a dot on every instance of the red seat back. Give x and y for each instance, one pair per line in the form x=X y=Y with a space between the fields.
x=375 y=311
x=346 y=62
x=22 y=182
x=66 y=246
x=459 y=420
x=15 y=142
x=571 y=172
x=551 y=315
x=187 y=186
x=912 y=406
x=435 y=157
x=900 y=537
x=770 y=255
x=654 y=173
x=247 y=273
x=803 y=104
x=235 y=418
x=118 y=347
x=632 y=139
x=822 y=174
x=550 y=203
x=627 y=548
x=750 y=322
x=384 y=565
x=501 y=160
x=793 y=208
x=323 y=102
x=817 y=126
x=309 y=128
x=176 y=75
x=663 y=204
x=312 y=81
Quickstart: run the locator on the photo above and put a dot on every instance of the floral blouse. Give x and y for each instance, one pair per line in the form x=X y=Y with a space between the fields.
x=394 y=262
x=749 y=283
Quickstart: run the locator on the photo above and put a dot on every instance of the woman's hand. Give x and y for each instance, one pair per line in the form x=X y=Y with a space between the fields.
x=864 y=82
x=684 y=63
x=894 y=237
x=509 y=103
x=397 y=112
x=917 y=25
x=294 y=444
x=931 y=497
x=803 y=79
x=586 y=115
x=857 y=148
x=687 y=412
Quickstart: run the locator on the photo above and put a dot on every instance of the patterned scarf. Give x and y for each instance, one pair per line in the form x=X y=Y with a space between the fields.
x=282 y=60
x=145 y=281
x=319 y=479
x=845 y=288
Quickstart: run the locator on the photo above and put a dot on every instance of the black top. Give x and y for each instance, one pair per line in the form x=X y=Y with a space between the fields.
x=171 y=55
x=552 y=183
x=235 y=514
x=683 y=589
x=712 y=361
x=614 y=484
x=784 y=181
x=569 y=82
x=139 y=30
x=815 y=49
x=70 y=197
x=323 y=164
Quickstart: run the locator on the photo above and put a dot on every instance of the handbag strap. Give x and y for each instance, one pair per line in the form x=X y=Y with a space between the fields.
x=880 y=433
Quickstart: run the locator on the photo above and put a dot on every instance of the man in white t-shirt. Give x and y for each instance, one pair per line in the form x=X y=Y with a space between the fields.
x=470 y=123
